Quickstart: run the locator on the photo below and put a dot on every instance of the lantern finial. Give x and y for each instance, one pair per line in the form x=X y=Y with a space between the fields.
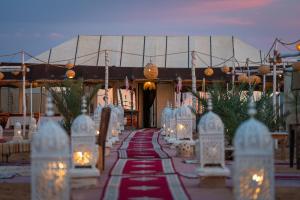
x=49 y=106
x=209 y=103
x=83 y=106
x=251 y=107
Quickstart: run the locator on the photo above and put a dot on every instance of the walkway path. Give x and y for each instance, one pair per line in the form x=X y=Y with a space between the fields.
x=143 y=171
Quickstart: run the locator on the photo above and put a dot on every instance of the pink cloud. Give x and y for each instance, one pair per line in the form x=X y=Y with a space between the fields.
x=221 y=6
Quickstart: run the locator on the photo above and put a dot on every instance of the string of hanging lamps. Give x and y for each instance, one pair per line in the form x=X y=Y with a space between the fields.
x=70 y=73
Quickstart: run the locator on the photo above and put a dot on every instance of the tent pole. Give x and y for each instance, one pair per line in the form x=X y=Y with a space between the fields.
x=24 y=94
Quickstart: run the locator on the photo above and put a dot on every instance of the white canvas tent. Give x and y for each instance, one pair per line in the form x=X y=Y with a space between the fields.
x=166 y=51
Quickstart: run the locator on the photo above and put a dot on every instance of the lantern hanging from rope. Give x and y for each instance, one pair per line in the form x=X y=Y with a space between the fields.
x=209 y=71
x=70 y=74
x=243 y=78
x=264 y=69
x=15 y=73
x=1 y=76
x=254 y=79
x=149 y=85
x=225 y=69
x=69 y=65
x=151 y=71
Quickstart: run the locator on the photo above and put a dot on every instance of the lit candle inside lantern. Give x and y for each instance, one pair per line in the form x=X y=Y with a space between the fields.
x=81 y=158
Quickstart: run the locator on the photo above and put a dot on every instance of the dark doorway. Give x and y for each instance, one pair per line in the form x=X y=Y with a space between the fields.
x=149 y=108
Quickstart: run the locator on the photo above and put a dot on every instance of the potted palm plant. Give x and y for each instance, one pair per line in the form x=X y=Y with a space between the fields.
x=67 y=98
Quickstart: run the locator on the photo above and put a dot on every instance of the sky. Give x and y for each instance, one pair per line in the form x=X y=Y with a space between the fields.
x=38 y=25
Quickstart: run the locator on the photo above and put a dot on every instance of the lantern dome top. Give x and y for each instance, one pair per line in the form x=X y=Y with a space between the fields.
x=17 y=125
x=83 y=125
x=184 y=111
x=252 y=135
x=210 y=122
x=51 y=139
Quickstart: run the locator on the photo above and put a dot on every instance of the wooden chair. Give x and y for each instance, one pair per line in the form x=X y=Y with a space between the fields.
x=105 y=117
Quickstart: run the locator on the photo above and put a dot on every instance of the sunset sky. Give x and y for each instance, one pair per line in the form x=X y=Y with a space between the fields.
x=37 y=25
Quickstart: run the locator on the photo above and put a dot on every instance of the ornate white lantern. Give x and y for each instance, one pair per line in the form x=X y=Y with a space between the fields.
x=253 y=160
x=184 y=123
x=171 y=126
x=121 y=117
x=17 y=132
x=97 y=118
x=83 y=148
x=50 y=158
x=32 y=128
x=211 y=139
x=163 y=119
x=112 y=132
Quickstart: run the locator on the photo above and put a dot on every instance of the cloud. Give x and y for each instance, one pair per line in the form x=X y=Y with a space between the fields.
x=212 y=6
x=55 y=36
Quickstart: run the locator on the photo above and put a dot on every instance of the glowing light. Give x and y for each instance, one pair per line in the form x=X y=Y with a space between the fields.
x=82 y=158
x=258 y=179
x=298 y=46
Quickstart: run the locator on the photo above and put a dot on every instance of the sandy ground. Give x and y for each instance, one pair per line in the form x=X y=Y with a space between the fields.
x=19 y=187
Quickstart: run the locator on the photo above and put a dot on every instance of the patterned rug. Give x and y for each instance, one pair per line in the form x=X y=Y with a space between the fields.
x=159 y=187
x=143 y=171
x=143 y=167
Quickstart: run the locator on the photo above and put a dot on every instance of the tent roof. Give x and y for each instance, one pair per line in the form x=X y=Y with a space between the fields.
x=165 y=51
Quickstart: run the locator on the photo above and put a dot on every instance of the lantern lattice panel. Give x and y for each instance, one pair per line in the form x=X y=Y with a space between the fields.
x=212 y=146
x=184 y=129
x=51 y=179
x=255 y=178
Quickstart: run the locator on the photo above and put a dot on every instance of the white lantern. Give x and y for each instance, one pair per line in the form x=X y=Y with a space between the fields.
x=164 y=117
x=171 y=126
x=184 y=123
x=211 y=142
x=253 y=160
x=17 y=132
x=121 y=117
x=32 y=128
x=112 y=132
x=97 y=118
x=84 y=149
x=50 y=157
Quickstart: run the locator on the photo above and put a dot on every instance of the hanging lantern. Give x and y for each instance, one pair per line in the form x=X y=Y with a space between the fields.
x=15 y=73
x=298 y=46
x=253 y=79
x=1 y=76
x=70 y=73
x=149 y=85
x=225 y=69
x=264 y=69
x=209 y=71
x=243 y=78
x=151 y=71
x=296 y=66
x=69 y=65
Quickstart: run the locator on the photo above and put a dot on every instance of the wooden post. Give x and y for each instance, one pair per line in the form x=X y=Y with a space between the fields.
x=105 y=117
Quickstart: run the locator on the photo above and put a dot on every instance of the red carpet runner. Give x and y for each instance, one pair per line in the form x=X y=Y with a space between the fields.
x=143 y=171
